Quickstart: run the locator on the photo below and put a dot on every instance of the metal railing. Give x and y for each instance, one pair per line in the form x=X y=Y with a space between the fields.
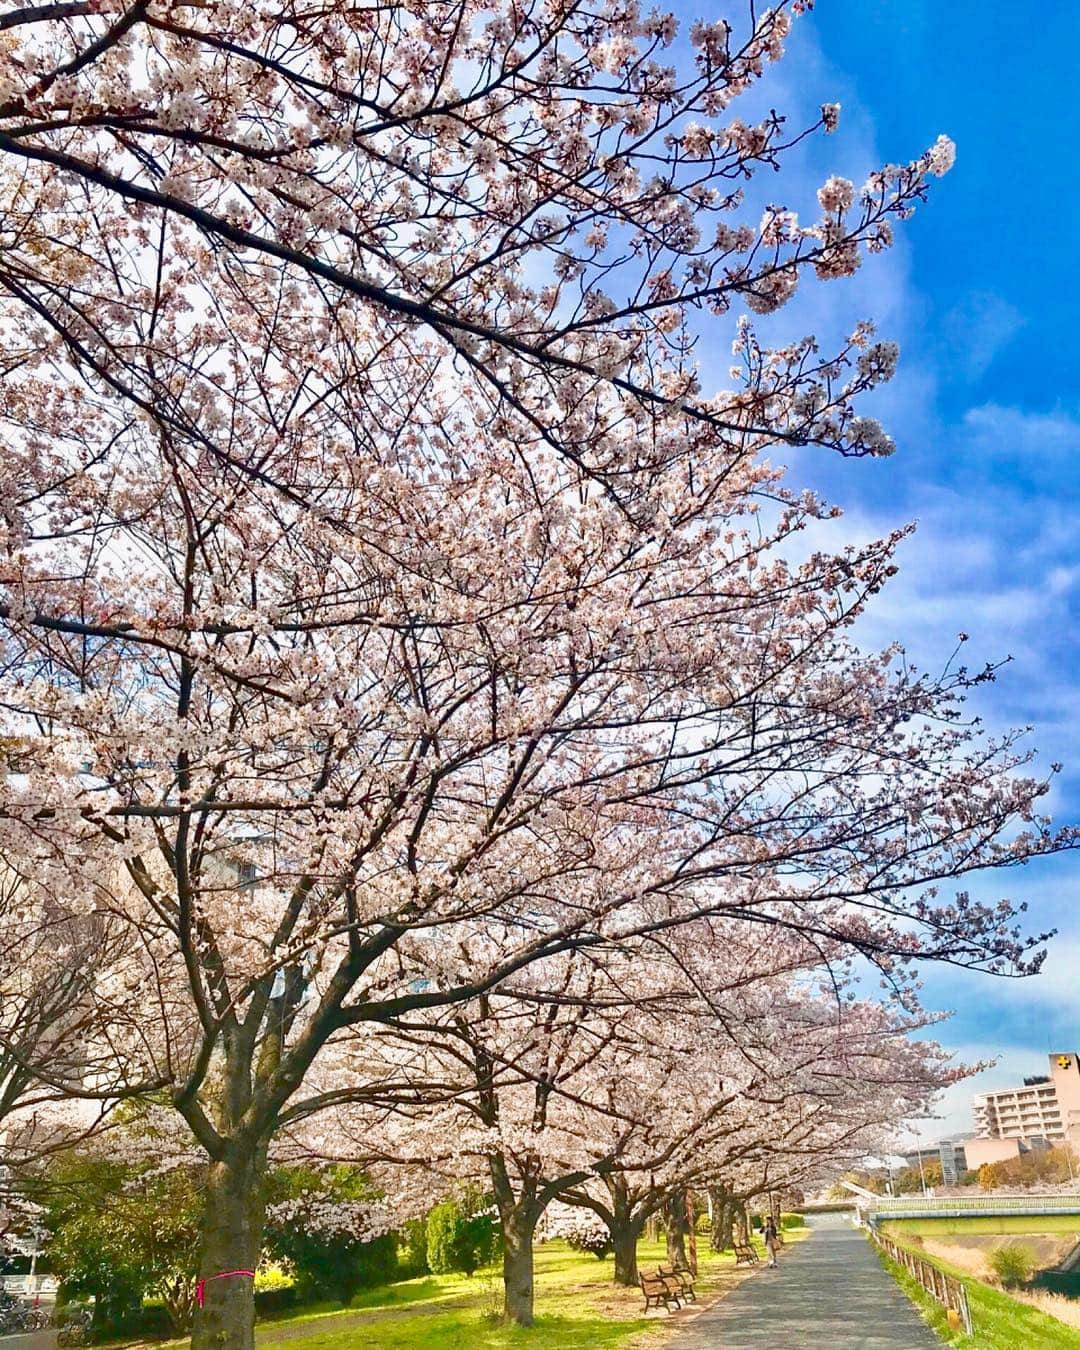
x=29 y=1284
x=948 y=1206
x=946 y=1289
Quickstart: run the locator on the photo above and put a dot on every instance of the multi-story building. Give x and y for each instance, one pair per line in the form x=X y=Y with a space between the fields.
x=952 y=1154
x=1043 y=1107
x=948 y=1152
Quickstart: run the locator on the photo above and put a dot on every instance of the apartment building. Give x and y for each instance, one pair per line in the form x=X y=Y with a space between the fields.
x=1046 y=1106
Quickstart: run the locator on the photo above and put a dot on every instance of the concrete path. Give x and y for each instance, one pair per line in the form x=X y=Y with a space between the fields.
x=29 y=1340
x=830 y=1293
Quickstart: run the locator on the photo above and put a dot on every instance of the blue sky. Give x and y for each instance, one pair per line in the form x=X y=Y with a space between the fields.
x=981 y=294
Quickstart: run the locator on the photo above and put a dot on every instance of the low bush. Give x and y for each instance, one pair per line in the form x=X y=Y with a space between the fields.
x=412 y=1250
x=268 y=1302
x=1012 y=1264
x=458 y=1240
x=596 y=1244
x=270 y=1275
x=317 y=1225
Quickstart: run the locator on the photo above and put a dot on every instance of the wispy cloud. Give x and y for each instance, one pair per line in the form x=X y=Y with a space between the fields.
x=993 y=485
x=978 y=329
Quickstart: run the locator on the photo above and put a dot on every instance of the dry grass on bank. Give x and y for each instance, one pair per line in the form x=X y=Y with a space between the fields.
x=1066 y=1310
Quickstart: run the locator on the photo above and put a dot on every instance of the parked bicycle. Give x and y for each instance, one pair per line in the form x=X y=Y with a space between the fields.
x=14 y=1314
x=38 y=1318
x=76 y=1331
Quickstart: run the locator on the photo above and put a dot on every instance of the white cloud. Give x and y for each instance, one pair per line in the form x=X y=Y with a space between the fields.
x=953 y=1114
x=1010 y=432
x=996 y=553
x=978 y=329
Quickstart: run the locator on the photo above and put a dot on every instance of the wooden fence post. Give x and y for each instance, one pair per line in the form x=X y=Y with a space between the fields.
x=949 y=1292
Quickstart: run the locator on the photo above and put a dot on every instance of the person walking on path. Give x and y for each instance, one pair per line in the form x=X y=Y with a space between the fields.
x=772 y=1240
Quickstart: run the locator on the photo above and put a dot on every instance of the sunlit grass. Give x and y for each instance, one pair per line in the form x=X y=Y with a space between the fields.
x=984 y=1223
x=578 y=1307
x=999 y=1321
x=577 y=1304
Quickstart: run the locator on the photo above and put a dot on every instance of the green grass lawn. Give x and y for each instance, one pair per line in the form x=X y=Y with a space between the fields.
x=1010 y=1223
x=998 y=1321
x=577 y=1305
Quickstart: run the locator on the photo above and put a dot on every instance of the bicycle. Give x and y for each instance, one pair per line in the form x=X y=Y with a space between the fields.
x=77 y=1331
x=14 y=1315
x=38 y=1319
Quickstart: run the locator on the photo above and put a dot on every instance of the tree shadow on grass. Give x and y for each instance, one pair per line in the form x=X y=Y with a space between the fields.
x=438 y=1331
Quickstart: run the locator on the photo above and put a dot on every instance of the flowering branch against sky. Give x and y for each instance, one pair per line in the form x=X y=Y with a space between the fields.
x=984 y=407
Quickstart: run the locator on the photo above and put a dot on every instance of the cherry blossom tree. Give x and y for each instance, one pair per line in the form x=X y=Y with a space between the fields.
x=389 y=604
x=54 y=1023
x=618 y=1086
x=539 y=189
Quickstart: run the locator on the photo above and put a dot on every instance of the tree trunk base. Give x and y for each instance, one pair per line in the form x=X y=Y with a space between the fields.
x=517 y=1273
x=625 y=1248
x=232 y=1240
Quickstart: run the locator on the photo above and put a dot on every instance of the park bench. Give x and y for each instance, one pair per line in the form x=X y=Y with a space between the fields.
x=657 y=1291
x=685 y=1279
x=745 y=1254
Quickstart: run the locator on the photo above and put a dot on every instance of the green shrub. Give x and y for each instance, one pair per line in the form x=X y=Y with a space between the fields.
x=120 y=1232
x=271 y=1276
x=1012 y=1264
x=313 y=1226
x=412 y=1249
x=269 y=1302
x=336 y=1267
x=458 y=1240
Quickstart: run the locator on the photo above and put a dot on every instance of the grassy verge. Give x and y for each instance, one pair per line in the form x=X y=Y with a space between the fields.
x=577 y=1305
x=999 y=1322
x=1006 y=1223
x=930 y=1310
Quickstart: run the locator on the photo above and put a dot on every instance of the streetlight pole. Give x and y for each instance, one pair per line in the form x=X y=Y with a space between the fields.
x=918 y=1154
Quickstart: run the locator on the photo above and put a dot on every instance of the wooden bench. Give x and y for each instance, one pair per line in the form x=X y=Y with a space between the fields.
x=657 y=1291
x=745 y=1255
x=685 y=1279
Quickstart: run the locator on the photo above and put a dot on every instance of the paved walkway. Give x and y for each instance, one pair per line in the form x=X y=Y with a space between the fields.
x=830 y=1293
x=29 y=1340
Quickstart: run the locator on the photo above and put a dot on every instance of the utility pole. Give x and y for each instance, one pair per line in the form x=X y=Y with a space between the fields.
x=918 y=1154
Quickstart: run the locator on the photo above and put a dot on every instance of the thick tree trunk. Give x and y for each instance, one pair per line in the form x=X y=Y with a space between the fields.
x=232 y=1239
x=624 y=1240
x=675 y=1229
x=723 y=1220
x=518 y=1214
x=742 y=1224
x=727 y=1225
x=625 y=1230
x=518 y=1228
x=774 y=1208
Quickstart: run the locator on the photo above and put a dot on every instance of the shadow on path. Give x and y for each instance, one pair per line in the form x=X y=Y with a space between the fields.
x=830 y=1293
